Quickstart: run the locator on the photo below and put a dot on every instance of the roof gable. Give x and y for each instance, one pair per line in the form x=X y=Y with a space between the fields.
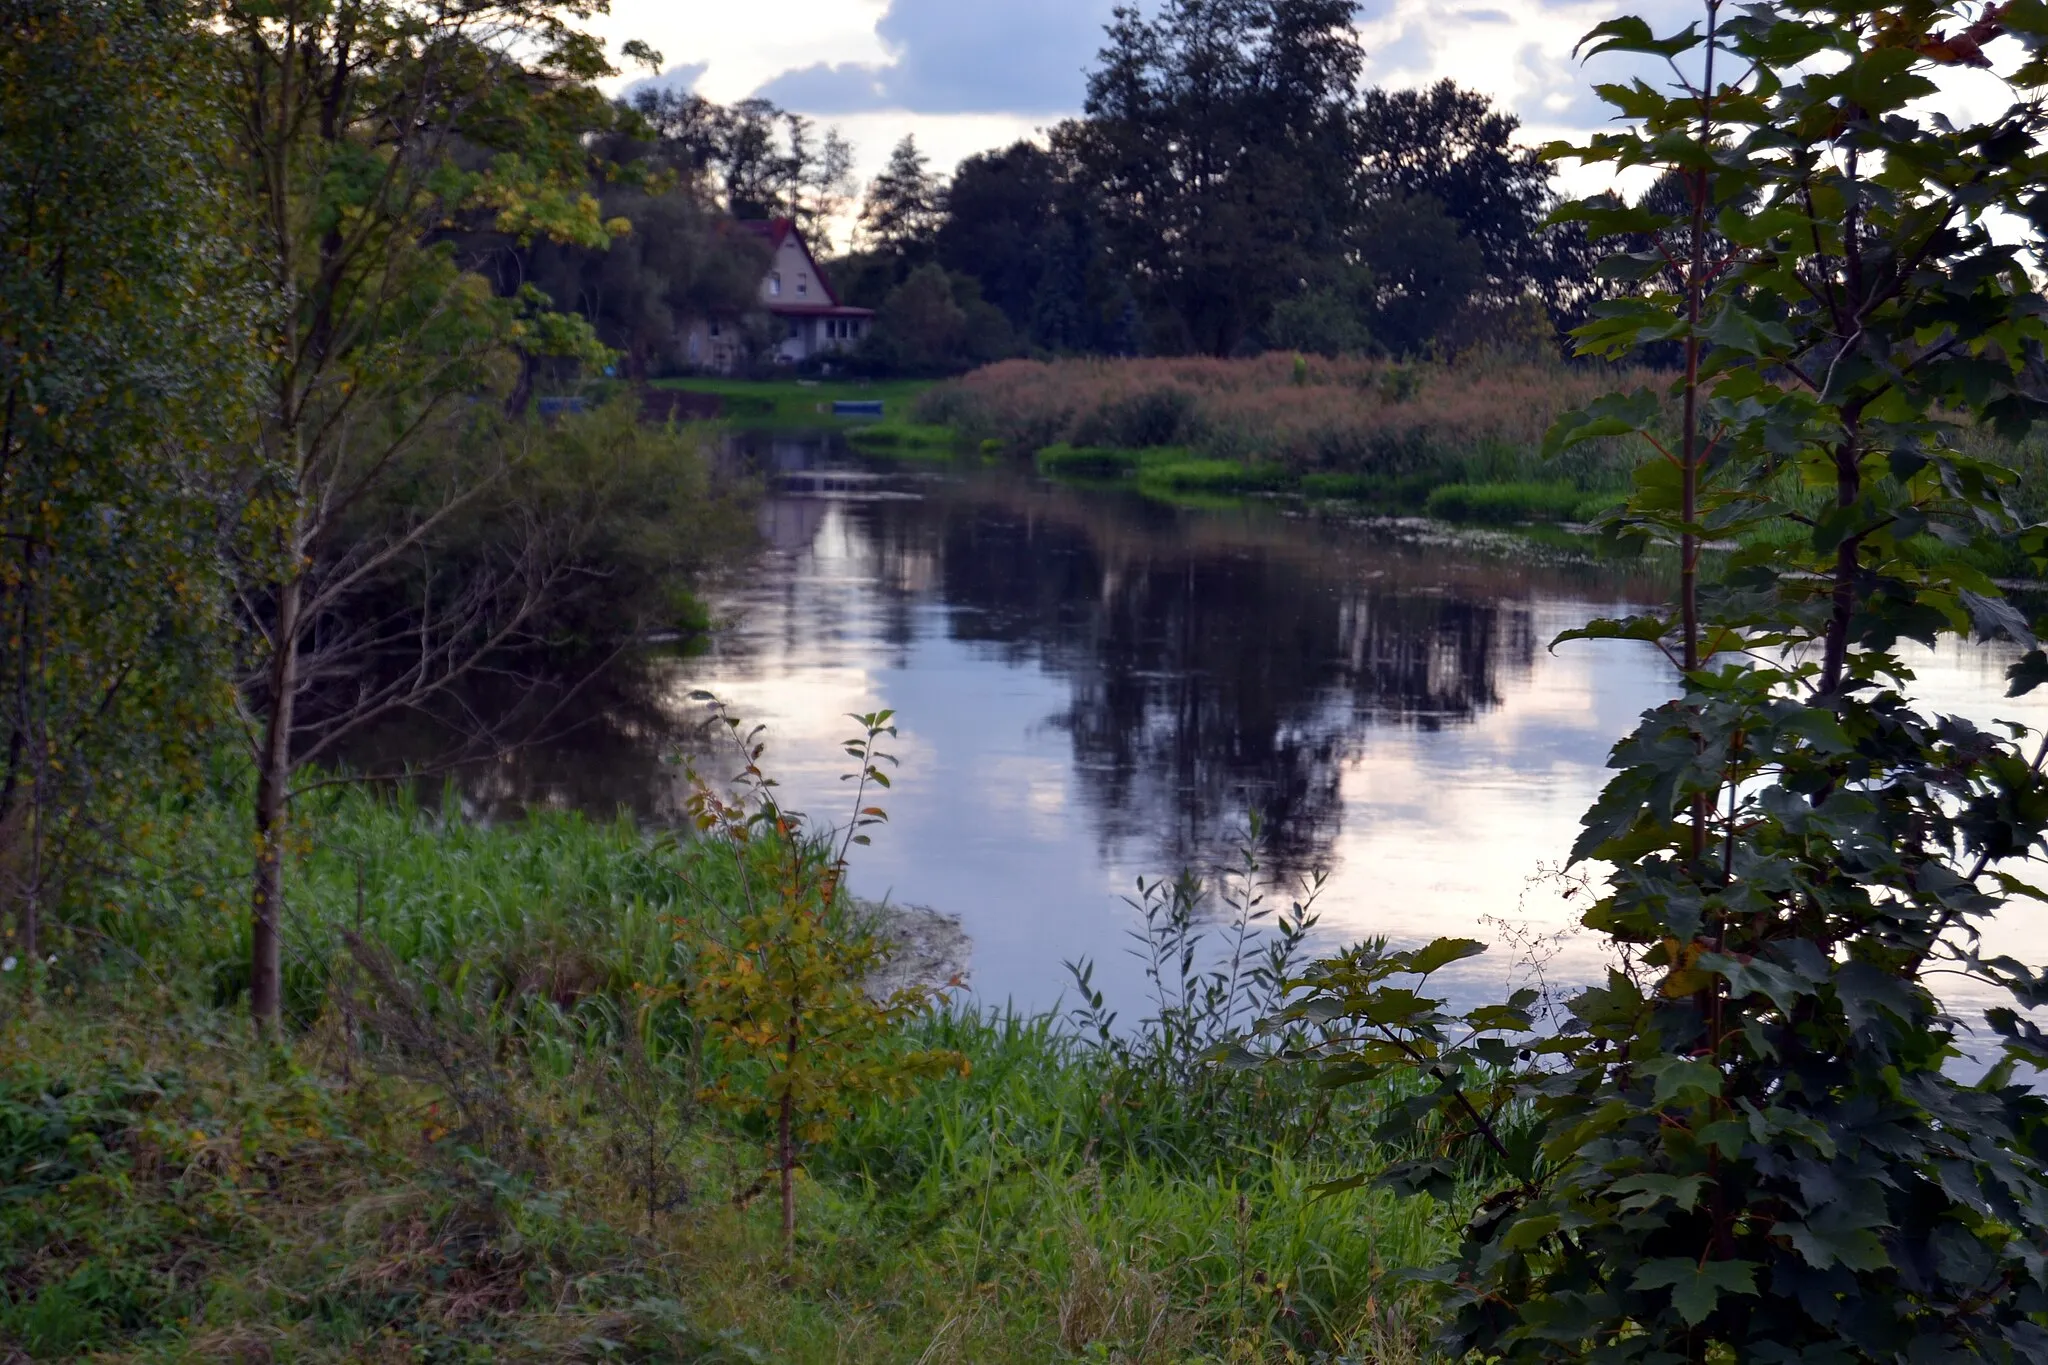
x=776 y=232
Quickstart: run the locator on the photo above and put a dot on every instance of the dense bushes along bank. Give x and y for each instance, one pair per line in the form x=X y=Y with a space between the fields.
x=181 y=1197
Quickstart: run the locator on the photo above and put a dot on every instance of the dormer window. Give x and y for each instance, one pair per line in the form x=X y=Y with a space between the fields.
x=803 y=283
x=775 y=284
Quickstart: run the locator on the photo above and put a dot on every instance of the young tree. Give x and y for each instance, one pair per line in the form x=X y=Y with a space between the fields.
x=360 y=129
x=820 y=174
x=1760 y=1139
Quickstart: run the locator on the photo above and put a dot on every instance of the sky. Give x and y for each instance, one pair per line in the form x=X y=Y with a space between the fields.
x=969 y=75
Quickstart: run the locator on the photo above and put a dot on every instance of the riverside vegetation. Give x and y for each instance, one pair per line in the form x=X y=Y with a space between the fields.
x=526 y=1092
x=514 y=1122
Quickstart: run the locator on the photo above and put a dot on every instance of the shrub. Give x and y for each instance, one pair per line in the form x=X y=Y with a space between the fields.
x=1763 y=1136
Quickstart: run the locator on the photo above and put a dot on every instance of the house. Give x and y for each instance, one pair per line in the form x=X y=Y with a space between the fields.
x=801 y=312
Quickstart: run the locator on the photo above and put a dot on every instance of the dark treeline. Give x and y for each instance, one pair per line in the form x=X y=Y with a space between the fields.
x=1231 y=186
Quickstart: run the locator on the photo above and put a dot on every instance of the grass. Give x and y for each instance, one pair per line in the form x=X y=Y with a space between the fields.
x=1510 y=503
x=1479 y=421
x=1089 y=462
x=177 y=1195
x=799 y=403
x=910 y=440
x=1207 y=431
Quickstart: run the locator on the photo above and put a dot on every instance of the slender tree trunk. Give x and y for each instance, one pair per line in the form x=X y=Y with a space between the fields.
x=785 y=1142
x=1848 y=487
x=273 y=780
x=1690 y=458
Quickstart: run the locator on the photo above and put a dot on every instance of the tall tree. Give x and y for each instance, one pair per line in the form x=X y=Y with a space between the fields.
x=1217 y=142
x=1453 y=146
x=361 y=128
x=902 y=210
x=125 y=354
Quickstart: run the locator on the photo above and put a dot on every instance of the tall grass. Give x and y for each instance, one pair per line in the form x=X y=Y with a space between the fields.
x=1088 y=1190
x=1479 y=421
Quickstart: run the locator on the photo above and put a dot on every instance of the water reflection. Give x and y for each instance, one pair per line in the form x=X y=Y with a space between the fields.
x=1093 y=687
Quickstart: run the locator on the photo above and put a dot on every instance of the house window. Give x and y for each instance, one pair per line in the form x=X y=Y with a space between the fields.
x=714 y=327
x=803 y=283
x=775 y=284
x=795 y=329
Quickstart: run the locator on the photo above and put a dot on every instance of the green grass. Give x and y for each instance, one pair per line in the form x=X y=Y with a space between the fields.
x=1212 y=477
x=178 y=1195
x=910 y=440
x=1509 y=503
x=1107 y=462
x=800 y=403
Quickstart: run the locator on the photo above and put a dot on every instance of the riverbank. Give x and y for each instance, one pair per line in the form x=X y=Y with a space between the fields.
x=1460 y=443
x=789 y=403
x=488 y=1136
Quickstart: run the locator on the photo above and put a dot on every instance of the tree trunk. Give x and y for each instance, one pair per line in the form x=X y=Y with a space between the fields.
x=786 y=1158
x=273 y=780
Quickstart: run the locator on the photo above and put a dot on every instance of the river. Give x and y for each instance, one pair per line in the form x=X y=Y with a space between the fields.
x=1091 y=687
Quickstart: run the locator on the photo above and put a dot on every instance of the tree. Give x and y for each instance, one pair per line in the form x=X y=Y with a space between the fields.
x=1003 y=209
x=124 y=359
x=820 y=174
x=1326 y=319
x=1425 y=271
x=788 y=989
x=1757 y=1139
x=1452 y=147
x=903 y=207
x=936 y=323
x=1217 y=144
x=361 y=128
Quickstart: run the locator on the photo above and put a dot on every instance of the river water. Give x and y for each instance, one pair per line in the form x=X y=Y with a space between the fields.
x=1091 y=687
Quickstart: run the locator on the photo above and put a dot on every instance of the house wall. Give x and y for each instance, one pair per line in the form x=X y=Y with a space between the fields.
x=707 y=345
x=791 y=269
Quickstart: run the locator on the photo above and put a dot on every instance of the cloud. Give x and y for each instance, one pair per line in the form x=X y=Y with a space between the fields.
x=994 y=56
x=681 y=78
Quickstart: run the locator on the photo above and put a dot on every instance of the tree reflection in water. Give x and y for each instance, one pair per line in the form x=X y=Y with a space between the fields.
x=1216 y=661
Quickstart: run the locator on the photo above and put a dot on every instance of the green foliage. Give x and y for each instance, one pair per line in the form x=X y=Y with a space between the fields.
x=902 y=438
x=125 y=368
x=1505 y=503
x=1212 y=476
x=786 y=987
x=1326 y=321
x=1757 y=1138
x=935 y=323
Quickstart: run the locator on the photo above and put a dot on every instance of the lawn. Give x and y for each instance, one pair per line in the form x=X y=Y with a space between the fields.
x=800 y=402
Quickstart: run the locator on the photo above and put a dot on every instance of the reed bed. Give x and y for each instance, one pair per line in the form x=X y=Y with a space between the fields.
x=1481 y=420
